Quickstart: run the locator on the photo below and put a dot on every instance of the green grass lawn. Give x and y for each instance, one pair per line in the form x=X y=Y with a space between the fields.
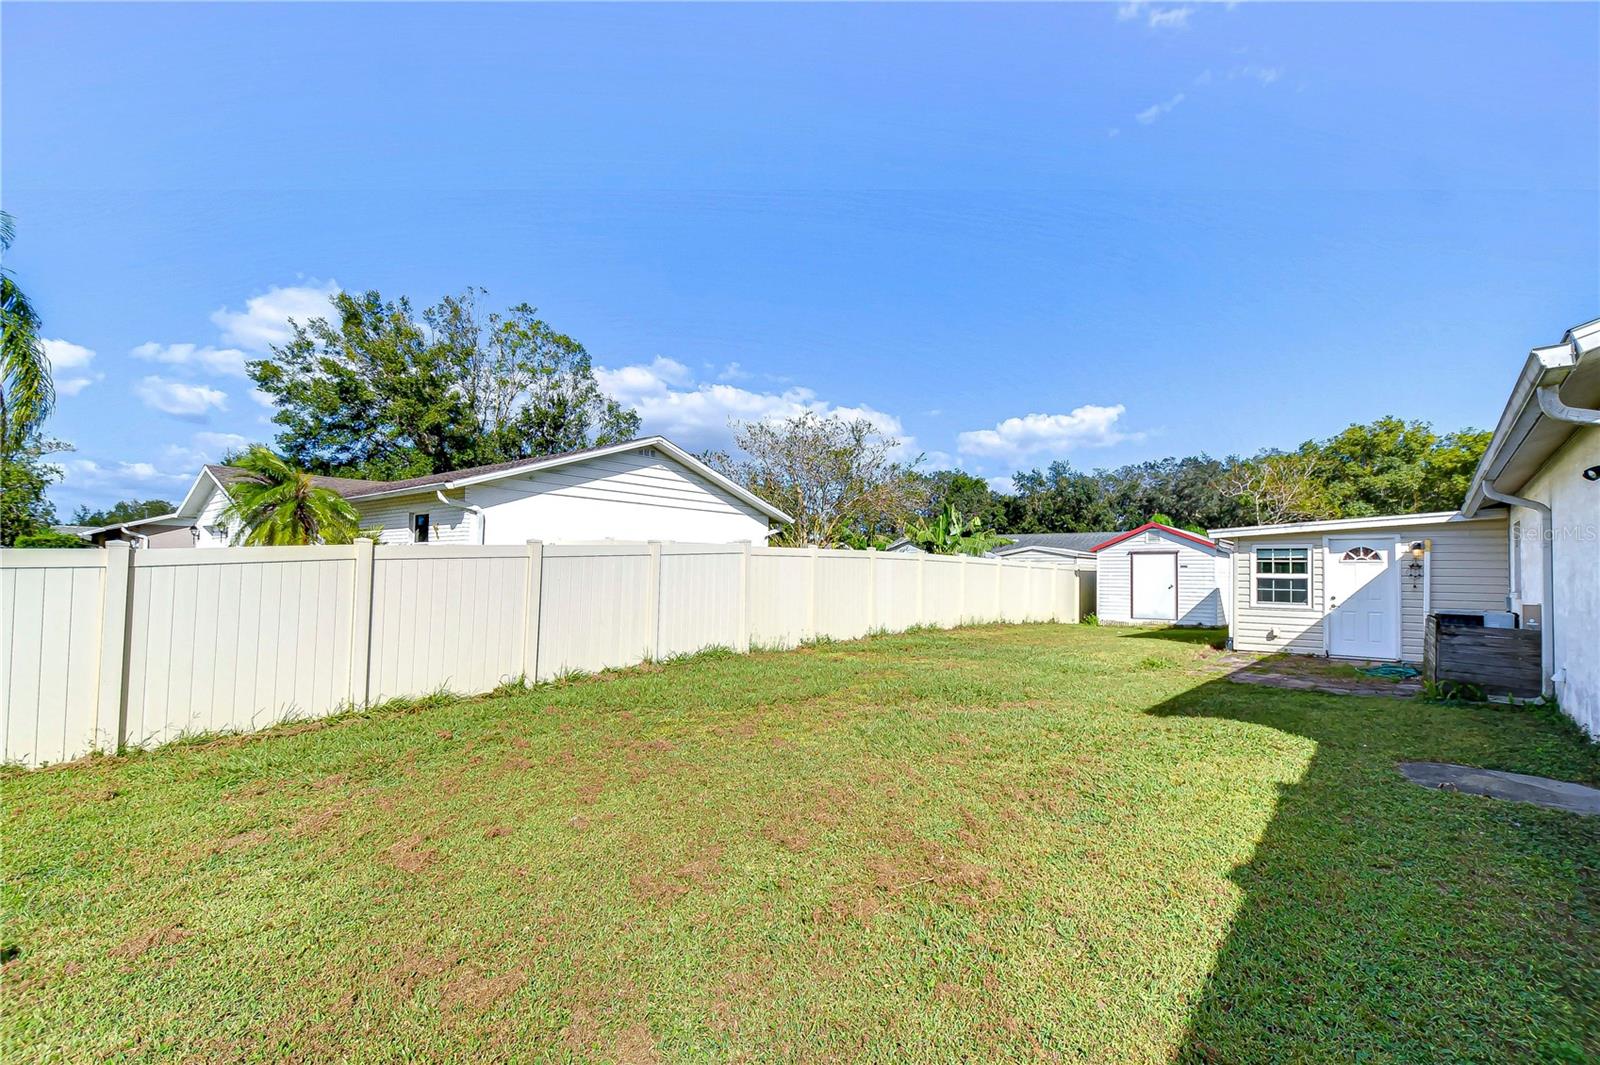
x=1029 y=842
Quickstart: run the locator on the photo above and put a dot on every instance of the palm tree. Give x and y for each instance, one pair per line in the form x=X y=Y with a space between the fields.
x=26 y=391
x=277 y=505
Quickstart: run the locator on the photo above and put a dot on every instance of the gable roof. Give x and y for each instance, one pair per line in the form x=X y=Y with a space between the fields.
x=1082 y=542
x=356 y=489
x=1169 y=530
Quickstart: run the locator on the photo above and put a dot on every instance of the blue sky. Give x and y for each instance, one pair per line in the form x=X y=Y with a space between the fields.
x=1011 y=234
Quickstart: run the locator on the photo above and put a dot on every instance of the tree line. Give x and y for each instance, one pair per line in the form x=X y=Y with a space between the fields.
x=840 y=480
x=380 y=391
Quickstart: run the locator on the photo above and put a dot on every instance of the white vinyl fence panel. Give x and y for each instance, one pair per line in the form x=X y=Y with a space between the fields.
x=234 y=640
x=445 y=616
x=111 y=648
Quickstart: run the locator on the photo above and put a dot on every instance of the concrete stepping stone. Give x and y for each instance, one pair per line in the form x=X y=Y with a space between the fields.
x=1497 y=784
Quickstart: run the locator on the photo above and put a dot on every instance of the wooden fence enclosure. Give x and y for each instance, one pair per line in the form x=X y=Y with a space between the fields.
x=1499 y=661
x=114 y=647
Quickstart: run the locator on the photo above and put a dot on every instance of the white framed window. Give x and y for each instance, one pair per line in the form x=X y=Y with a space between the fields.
x=421 y=528
x=1282 y=576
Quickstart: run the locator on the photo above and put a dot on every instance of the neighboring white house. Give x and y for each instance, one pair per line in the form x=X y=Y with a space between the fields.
x=1543 y=466
x=1160 y=575
x=647 y=489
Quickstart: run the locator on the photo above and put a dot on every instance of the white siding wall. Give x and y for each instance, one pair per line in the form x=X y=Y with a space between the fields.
x=447 y=524
x=1199 y=595
x=633 y=496
x=213 y=532
x=1467 y=570
x=1575 y=551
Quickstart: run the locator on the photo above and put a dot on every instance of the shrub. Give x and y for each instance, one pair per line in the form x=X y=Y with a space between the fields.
x=51 y=538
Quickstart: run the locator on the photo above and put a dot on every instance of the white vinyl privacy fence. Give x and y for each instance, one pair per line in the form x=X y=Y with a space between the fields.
x=108 y=648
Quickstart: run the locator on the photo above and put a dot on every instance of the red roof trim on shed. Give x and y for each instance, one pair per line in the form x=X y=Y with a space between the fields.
x=1117 y=539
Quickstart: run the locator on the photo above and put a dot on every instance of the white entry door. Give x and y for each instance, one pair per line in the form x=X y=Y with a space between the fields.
x=1363 y=598
x=1154 y=596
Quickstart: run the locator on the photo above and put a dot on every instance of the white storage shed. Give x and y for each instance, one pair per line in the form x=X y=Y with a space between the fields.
x=1158 y=575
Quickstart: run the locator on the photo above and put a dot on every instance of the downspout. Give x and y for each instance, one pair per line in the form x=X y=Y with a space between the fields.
x=476 y=510
x=1547 y=614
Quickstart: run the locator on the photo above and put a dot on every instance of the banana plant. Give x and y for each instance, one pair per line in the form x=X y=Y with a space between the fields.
x=950 y=534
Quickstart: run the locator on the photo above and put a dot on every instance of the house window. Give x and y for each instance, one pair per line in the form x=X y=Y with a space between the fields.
x=1283 y=576
x=419 y=528
x=1361 y=554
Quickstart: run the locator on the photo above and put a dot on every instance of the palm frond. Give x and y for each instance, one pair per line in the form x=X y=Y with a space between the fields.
x=276 y=505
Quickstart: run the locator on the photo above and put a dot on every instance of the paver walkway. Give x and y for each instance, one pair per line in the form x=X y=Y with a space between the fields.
x=1303 y=673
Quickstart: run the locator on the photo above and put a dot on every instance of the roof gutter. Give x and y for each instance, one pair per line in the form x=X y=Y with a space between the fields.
x=1535 y=395
x=1550 y=403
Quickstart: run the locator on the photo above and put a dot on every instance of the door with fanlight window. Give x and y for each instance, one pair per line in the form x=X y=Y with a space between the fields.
x=1363 y=598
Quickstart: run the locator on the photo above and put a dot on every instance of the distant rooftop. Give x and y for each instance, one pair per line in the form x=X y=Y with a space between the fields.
x=1078 y=541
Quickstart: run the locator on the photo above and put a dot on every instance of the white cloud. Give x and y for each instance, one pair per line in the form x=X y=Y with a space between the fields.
x=217 y=443
x=1156 y=111
x=64 y=355
x=177 y=397
x=120 y=480
x=1157 y=18
x=203 y=447
x=213 y=360
x=70 y=366
x=1016 y=438
x=1265 y=75
x=1171 y=18
x=265 y=318
x=696 y=413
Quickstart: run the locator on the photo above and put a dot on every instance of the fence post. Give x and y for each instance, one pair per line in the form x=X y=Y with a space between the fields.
x=742 y=636
x=652 y=601
x=811 y=595
x=116 y=598
x=872 y=589
x=922 y=600
x=999 y=590
x=530 y=613
x=961 y=596
x=361 y=624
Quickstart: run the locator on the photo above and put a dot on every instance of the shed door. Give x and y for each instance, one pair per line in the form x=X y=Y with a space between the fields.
x=1154 y=576
x=1363 y=598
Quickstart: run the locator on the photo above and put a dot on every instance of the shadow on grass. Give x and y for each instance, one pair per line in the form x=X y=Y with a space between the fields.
x=1198 y=637
x=1381 y=921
